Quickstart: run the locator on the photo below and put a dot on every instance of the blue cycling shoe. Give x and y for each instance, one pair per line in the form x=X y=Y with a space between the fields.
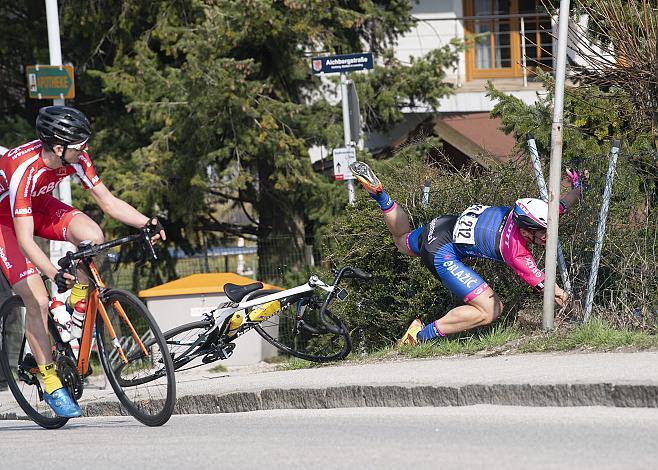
x=62 y=403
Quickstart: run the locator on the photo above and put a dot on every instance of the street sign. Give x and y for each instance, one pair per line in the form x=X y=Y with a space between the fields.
x=342 y=63
x=342 y=159
x=50 y=81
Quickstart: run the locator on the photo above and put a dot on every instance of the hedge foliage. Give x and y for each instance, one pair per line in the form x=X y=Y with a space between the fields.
x=378 y=312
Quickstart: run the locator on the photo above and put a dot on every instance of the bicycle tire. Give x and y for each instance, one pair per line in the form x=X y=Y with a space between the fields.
x=12 y=340
x=315 y=342
x=146 y=385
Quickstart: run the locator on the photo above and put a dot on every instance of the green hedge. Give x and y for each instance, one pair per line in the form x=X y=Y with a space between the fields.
x=378 y=312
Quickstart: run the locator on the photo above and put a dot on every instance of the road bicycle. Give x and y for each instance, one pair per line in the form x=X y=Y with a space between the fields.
x=297 y=321
x=132 y=350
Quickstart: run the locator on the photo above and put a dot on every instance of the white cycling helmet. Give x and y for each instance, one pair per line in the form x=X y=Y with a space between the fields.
x=531 y=213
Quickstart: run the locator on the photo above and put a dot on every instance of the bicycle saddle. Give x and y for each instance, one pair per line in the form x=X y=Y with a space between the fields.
x=236 y=293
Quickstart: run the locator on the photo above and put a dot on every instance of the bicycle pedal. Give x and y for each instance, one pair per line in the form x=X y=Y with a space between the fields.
x=222 y=352
x=29 y=364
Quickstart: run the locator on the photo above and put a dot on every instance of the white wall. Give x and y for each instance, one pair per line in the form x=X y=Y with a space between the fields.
x=172 y=311
x=434 y=29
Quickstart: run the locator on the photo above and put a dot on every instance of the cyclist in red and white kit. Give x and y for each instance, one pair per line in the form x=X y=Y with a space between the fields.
x=28 y=176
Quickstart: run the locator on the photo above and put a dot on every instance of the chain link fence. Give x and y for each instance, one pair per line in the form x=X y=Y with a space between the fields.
x=278 y=260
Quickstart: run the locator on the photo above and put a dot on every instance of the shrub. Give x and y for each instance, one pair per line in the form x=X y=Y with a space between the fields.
x=403 y=289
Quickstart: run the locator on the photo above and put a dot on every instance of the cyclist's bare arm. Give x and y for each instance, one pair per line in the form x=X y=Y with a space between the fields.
x=571 y=197
x=119 y=209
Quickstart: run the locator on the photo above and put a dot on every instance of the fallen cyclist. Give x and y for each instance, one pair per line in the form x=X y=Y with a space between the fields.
x=500 y=233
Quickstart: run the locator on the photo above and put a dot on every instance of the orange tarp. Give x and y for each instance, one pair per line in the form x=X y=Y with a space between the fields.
x=206 y=283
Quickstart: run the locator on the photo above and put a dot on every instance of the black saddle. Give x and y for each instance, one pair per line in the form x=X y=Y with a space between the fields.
x=236 y=293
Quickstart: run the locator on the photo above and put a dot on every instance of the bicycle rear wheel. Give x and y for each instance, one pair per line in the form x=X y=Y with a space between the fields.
x=145 y=385
x=18 y=367
x=298 y=330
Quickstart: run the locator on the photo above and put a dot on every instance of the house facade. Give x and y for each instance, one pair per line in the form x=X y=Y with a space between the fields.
x=508 y=39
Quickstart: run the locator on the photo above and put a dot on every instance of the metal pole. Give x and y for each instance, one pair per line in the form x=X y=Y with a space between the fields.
x=555 y=172
x=346 y=131
x=426 y=193
x=54 y=46
x=57 y=248
x=600 y=230
x=543 y=193
x=523 y=58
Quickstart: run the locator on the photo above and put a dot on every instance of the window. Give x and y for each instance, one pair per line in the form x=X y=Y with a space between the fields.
x=495 y=28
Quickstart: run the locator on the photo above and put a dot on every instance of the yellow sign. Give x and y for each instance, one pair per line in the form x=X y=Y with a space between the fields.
x=50 y=81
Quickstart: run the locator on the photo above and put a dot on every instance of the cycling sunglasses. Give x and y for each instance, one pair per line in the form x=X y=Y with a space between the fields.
x=79 y=147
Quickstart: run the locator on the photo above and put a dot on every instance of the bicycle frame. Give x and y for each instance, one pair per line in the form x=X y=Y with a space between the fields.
x=226 y=310
x=95 y=305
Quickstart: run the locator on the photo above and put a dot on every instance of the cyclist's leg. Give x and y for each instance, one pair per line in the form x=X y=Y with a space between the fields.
x=395 y=217
x=35 y=297
x=59 y=221
x=481 y=310
x=482 y=305
x=25 y=281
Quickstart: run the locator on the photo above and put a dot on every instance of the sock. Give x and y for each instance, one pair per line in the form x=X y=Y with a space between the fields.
x=78 y=292
x=384 y=200
x=430 y=331
x=51 y=381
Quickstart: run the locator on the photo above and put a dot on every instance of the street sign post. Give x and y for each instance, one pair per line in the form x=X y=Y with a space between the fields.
x=342 y=159
x=57 y=248
x=351 y=121
x=50 y=82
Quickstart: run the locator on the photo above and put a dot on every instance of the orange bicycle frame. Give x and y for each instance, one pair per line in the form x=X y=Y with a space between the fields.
x=94 y=306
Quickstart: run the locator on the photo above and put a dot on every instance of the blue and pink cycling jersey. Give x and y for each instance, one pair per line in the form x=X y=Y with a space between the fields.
x=481 y=232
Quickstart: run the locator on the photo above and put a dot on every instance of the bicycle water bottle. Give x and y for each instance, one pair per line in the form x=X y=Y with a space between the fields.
x=78 y=318
x=265 y=311
x=236 y=321
x=62 y=318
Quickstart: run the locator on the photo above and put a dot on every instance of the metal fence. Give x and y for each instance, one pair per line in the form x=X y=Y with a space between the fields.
x=278 y=260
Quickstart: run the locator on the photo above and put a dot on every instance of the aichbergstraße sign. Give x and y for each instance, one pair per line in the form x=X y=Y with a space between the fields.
x=342 y=63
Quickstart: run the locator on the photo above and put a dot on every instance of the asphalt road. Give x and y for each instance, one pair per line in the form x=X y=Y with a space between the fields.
x=471 y=437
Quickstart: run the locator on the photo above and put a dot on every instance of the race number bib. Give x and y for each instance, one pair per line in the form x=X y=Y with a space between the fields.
x=464 y=231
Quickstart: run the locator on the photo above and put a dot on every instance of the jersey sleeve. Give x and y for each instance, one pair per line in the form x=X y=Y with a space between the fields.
x=523 y=264
x=86 y=171
x=20 y=194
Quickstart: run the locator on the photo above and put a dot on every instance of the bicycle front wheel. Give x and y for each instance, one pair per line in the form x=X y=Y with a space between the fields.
x=299 y=331
x=19 y=367
x=144 y=382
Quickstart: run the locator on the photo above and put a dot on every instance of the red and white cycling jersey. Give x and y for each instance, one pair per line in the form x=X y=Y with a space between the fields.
x=24 y=177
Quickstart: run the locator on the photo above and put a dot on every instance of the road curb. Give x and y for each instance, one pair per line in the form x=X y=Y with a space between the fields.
x=354 y=396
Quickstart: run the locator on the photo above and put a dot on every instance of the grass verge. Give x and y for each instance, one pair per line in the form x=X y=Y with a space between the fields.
x=596 y=335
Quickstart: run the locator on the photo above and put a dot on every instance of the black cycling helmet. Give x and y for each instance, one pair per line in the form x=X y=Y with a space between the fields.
x=62 y=125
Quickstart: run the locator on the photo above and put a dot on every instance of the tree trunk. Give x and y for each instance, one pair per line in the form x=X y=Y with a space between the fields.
x=281 y=232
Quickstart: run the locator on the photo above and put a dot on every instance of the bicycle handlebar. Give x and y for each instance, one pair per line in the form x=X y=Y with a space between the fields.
x=66 y=262
x=350 y=272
